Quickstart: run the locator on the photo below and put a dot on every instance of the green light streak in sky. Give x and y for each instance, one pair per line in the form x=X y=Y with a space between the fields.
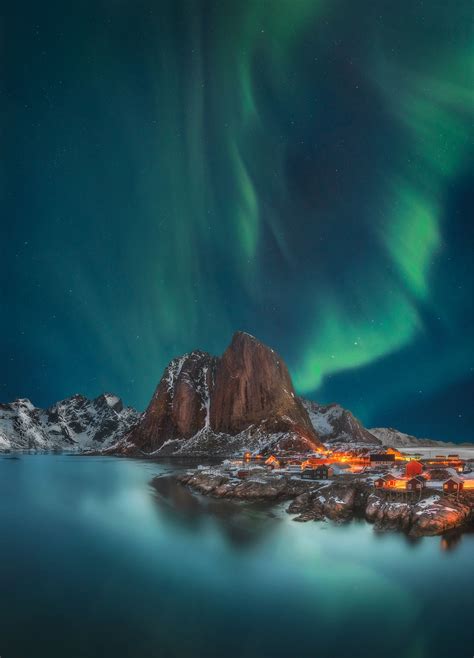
x=233 y=166
x=434 y=113
x=412 y=238
x=342 y=342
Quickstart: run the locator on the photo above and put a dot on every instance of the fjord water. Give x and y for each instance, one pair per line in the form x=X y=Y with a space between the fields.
x=96 y=562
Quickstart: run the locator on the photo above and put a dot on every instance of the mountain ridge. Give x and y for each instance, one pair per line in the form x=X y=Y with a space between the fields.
x=203 y=405
x=76 y=423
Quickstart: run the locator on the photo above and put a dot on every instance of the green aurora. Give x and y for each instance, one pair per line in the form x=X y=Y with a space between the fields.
x=298 y=169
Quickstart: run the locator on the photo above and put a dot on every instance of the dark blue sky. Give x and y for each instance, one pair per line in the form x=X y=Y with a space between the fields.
x=176 y=170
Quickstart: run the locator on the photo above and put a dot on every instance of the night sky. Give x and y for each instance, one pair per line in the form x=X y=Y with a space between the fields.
x=173 y=171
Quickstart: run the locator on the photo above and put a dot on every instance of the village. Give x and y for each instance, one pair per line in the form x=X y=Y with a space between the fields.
x=420 y=493
x=395 y=473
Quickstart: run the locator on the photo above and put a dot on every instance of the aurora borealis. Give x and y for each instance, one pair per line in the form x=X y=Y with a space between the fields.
x=176 y=170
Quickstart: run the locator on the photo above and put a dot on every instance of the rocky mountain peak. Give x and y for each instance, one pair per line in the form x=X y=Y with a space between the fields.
x=253 y=386
x=24 y=403
x=338 y=427
x=109 y=400
x=246 y=390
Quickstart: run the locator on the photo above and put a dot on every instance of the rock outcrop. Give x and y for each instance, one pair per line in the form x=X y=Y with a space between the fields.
x=340 y=500
x=223 y=486
x=210 y=405
x=429 y=516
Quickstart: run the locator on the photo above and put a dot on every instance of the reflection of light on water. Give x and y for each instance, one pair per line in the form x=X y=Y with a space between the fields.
x=159 y=554
x=450 y=542
x=335 y=581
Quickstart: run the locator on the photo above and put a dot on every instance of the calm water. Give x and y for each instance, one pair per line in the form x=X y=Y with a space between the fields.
x=94 y=562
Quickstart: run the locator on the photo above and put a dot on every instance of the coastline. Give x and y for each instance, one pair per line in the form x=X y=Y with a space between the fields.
x=348 y=498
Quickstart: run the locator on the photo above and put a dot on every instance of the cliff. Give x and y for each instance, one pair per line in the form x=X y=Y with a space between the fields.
x=220 y=405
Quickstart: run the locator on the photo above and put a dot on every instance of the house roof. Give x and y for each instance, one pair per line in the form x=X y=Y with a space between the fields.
x=454 y=478
x=389 y=476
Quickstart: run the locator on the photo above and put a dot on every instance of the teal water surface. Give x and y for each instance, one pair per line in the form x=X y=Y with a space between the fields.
x=96 y=562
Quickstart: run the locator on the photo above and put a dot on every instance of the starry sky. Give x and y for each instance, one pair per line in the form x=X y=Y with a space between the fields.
x=175 y=170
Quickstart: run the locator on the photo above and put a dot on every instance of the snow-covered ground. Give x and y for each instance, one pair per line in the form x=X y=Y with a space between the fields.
x=464 y=453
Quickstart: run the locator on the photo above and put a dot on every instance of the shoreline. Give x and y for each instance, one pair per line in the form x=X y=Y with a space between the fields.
x=348 y=498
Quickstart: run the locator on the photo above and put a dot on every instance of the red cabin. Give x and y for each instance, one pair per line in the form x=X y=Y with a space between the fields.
x=453 y=485
x=413 y=468
x=416 y=484
x=388 y=481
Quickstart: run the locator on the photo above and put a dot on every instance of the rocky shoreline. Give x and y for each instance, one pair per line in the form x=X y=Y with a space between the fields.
x=348 y=498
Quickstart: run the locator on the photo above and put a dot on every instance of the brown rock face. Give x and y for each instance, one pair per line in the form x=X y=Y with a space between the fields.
x=180 y=405
x=247 y=389
x=253 y=387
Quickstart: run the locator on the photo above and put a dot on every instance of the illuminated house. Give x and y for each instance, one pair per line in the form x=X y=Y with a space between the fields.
x=322 y=472
x=453 y=485
x=382 y=459
x=413 y=468
x=450 y=460
x=273 y=462
x=416 y=483
x=389 y=481
x=294 y=462
x=396 y=453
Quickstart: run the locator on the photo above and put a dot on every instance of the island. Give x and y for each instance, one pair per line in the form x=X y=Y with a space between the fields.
x=389 y=489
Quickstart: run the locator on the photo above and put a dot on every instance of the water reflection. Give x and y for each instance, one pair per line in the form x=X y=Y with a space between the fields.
x=126 y=569
x=242 y=524
x=450 y=541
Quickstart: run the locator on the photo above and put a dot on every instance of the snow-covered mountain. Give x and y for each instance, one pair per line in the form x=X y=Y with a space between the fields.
x=338 y=428
x=391 y=437
x=76 y=423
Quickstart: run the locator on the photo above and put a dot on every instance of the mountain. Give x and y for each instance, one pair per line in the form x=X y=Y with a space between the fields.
x=339 y=429
x=391 y=437
x=203 y=405
x=76 y=423
x=211 y=405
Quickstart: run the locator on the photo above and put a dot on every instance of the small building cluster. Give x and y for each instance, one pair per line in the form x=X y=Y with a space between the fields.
x=398 y=472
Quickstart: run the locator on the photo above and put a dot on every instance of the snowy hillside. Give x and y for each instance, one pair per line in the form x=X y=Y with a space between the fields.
x=76 y=423
x=391 y=437
x=339 y=428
